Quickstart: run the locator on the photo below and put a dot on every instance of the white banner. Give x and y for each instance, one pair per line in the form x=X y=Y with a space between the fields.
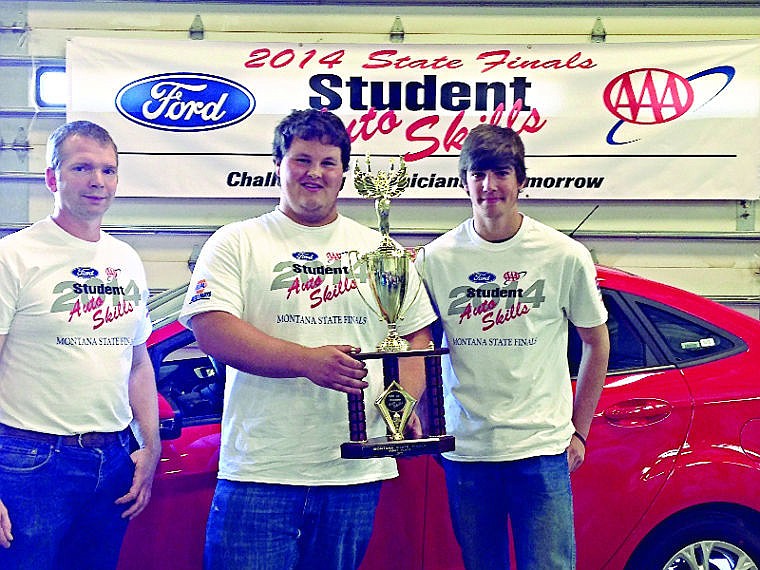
x=599 y=121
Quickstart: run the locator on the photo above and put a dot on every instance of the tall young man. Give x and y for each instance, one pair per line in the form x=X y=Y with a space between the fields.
x=505 y=287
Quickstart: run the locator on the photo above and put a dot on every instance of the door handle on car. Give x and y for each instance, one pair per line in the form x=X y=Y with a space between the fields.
x=637 y=412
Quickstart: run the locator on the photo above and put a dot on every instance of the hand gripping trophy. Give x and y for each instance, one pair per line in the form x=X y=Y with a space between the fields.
x=388 y=269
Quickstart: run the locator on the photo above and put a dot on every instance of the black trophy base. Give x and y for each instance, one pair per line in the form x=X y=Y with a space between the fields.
x=386 y=447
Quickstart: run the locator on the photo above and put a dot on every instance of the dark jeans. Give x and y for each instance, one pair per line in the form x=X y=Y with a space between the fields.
x=60 y=499
x=259 y=526
x=534 y=494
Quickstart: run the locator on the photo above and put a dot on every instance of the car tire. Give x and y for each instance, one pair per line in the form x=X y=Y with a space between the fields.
x=710 y=541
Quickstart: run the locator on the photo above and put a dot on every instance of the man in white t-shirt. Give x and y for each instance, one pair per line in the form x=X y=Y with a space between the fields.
x=272 y=297
x=505 y=287
x=74 y=371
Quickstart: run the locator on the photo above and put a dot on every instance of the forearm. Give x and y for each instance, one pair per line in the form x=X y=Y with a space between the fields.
x=587 y=396
x=143 y=400
x=412 y=370
x=244 y=347
x=591 y=376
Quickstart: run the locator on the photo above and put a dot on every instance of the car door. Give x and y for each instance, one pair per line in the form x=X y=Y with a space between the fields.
x=640 y=425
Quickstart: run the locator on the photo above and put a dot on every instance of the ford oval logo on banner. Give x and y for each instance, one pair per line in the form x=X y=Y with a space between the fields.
x=185 y=102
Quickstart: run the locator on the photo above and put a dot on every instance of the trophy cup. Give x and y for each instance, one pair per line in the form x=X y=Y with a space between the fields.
x=388 y=268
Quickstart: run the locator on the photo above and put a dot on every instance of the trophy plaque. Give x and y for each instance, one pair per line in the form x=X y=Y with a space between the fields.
x=388 y=268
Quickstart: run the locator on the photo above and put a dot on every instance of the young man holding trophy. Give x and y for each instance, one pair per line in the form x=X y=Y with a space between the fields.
x=506 y=286
x=266 y=296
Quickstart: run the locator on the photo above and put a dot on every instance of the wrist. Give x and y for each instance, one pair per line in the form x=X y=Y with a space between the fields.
x=580 y=438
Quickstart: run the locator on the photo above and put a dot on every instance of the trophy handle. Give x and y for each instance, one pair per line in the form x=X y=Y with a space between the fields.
x=417 y=251
x=350 y=255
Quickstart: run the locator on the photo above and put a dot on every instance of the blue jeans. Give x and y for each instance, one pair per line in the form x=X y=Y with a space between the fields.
x=60 y=499
x=259 y=526
x=534 y=494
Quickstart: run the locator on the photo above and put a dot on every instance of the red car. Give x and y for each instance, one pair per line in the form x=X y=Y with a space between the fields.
x=671 y=479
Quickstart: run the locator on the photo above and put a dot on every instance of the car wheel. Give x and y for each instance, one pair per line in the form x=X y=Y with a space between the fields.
x=712 y=541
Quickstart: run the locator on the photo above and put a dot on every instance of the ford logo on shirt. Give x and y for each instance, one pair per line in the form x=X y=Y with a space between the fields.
x=185 y=102
x=305 y=255
x=84 y=272
x=482 y=277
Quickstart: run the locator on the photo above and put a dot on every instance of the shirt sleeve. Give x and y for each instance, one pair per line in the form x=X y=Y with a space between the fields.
x=216 y=281
x=586 y=308
x=9 y=291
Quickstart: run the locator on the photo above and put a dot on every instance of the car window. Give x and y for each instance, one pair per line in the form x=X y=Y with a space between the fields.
x=190 y=380
x=628 y=351
x=689 y=339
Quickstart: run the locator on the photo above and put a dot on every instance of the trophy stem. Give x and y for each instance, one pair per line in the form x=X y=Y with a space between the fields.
x=393 y=342
x=383 y=210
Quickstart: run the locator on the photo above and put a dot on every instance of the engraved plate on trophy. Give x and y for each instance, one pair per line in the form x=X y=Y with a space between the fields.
x=396 y=406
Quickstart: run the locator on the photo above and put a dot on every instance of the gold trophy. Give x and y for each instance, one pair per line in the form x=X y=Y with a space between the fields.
x=388 y=269
x=387 y=266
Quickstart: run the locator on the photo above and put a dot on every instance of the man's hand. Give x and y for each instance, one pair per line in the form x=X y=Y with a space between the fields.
x=332 y=367
x=576 y=454
x=413 y=427
x=145 y=461
x=5 y=527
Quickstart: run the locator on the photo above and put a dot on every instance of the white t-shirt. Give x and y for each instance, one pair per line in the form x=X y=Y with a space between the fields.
x=504 y=308
x=290 y=281
x=72 y=311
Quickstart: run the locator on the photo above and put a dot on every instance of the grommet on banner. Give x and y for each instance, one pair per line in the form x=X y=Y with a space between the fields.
x=745 y=215
x=598 y=33
x=397 y=31
x=21 y=142
x=196 y=31
x=21 y=26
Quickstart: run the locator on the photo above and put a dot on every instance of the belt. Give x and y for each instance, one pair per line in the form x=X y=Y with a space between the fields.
x=90 y=439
